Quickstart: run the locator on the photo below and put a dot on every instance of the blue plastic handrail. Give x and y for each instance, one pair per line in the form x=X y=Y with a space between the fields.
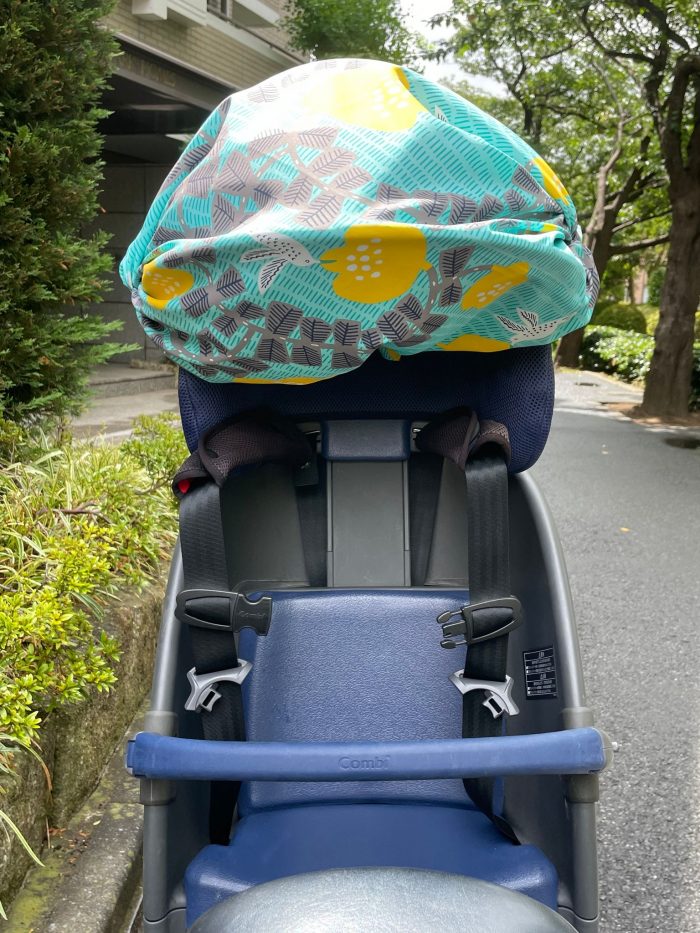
x=572 y=751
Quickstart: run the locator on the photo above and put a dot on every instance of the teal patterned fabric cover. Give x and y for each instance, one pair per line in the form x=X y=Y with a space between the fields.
x=350 y=206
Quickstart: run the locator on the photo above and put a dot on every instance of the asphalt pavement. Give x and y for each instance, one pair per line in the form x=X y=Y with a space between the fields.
x=626 y=500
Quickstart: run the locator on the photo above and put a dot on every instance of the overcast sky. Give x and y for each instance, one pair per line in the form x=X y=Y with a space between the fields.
x=418 y=12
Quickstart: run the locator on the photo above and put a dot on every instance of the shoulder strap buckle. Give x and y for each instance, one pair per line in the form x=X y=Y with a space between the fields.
x=224 y=611
x=480 y=622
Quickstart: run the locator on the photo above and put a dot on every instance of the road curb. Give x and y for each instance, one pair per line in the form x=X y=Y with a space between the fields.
x=91 y=876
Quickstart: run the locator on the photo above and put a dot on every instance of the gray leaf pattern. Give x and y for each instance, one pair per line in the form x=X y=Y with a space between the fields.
x=264 y=93
x=345 y=361
x=453 y=261
x=346 y=332
x=432 y=203
x=306 y=356
x=283 y=318
x=394 y=326
x=451 y=294
x=315 y=330
x=321 y=211
x=490 y=206
x=372 y=338
x=352 y=179
x=298 y=192
x=319 y=137
x=196 y=302
x=230 y=283
x=332 y=161
x=224 y=215
x=411 y=307
x=266 y=142
x=462 y=210
x=250 y=311
x=272 y=350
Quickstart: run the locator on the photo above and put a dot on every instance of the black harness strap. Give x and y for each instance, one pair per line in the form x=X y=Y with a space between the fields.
x=489 y=579
x=246 y=442
x=482 y=450
x=204 y=566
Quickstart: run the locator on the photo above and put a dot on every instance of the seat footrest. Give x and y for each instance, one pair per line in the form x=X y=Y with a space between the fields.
x=277 y=843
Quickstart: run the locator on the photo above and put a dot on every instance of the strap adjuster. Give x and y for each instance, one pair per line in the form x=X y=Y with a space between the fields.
x=505 y=621
x=224 y=611
x=202 y=692
x=498 y=693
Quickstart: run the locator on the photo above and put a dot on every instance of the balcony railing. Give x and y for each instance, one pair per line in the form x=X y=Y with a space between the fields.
x=189 y=12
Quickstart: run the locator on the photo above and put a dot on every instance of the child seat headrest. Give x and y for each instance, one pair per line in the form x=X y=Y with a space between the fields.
x=347 y=207
x=517 y=391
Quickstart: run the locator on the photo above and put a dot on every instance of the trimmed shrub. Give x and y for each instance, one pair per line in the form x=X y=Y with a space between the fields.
x=78 y=521
x=622 y=353
x=622 y=315
x=628 y=355
x=54 y=62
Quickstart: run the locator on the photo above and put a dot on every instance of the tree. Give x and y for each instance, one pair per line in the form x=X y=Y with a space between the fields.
x=361 y=29
x=655 y=46
x=582 y=112
x=54 y=62
x=662 y=39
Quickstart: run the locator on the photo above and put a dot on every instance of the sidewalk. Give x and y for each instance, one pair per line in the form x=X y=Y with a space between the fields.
x=582 y=390
x=122 y=393
x=112 y=416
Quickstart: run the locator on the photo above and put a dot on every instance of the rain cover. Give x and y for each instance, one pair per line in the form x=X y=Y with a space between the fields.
x=350 y=206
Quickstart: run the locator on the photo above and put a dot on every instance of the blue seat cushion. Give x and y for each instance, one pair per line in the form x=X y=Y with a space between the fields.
x=352 y=665
x=293 y=840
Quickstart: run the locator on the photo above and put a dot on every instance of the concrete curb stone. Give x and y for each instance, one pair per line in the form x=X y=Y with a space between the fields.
x=91 y=877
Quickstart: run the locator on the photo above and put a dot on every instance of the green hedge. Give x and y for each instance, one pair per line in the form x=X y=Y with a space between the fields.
x=55 y=59
x=620 y=314
x=79 y=521
x=627 y=355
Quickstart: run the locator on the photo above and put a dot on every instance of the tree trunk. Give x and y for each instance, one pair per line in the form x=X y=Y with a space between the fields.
x=569 y=349
x=667 y=389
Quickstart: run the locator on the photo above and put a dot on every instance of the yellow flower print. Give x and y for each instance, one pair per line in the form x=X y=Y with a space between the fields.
x=292 y=381
x=552 y=182
x=375 y=96
x=538 y=230
x=161 y=285
x=494 y=284
x=473 y=343
x=378 y=261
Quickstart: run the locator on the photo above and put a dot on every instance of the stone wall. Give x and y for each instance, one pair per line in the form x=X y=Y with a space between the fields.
x=127 y=193
x=77 y=741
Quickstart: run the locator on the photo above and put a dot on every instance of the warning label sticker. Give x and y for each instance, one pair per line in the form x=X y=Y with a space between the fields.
x=540 y=673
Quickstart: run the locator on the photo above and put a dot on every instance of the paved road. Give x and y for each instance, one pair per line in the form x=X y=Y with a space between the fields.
x=627 y=505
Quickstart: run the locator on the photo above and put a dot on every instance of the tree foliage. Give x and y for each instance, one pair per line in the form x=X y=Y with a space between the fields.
x=361 y=29
x=54 y=61
x=620 y=80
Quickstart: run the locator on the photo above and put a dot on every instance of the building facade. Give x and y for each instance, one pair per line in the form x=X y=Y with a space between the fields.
x=179 y=59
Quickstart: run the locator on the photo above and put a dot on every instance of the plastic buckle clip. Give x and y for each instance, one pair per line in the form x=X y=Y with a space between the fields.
x=499 y=698
x=202 y=693
x=238 y=613
x=451 y=630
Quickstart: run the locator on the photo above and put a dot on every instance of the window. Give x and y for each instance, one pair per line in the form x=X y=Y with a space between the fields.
x=221 y=8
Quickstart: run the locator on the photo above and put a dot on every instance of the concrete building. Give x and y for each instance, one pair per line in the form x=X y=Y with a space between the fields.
x=179 y=59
